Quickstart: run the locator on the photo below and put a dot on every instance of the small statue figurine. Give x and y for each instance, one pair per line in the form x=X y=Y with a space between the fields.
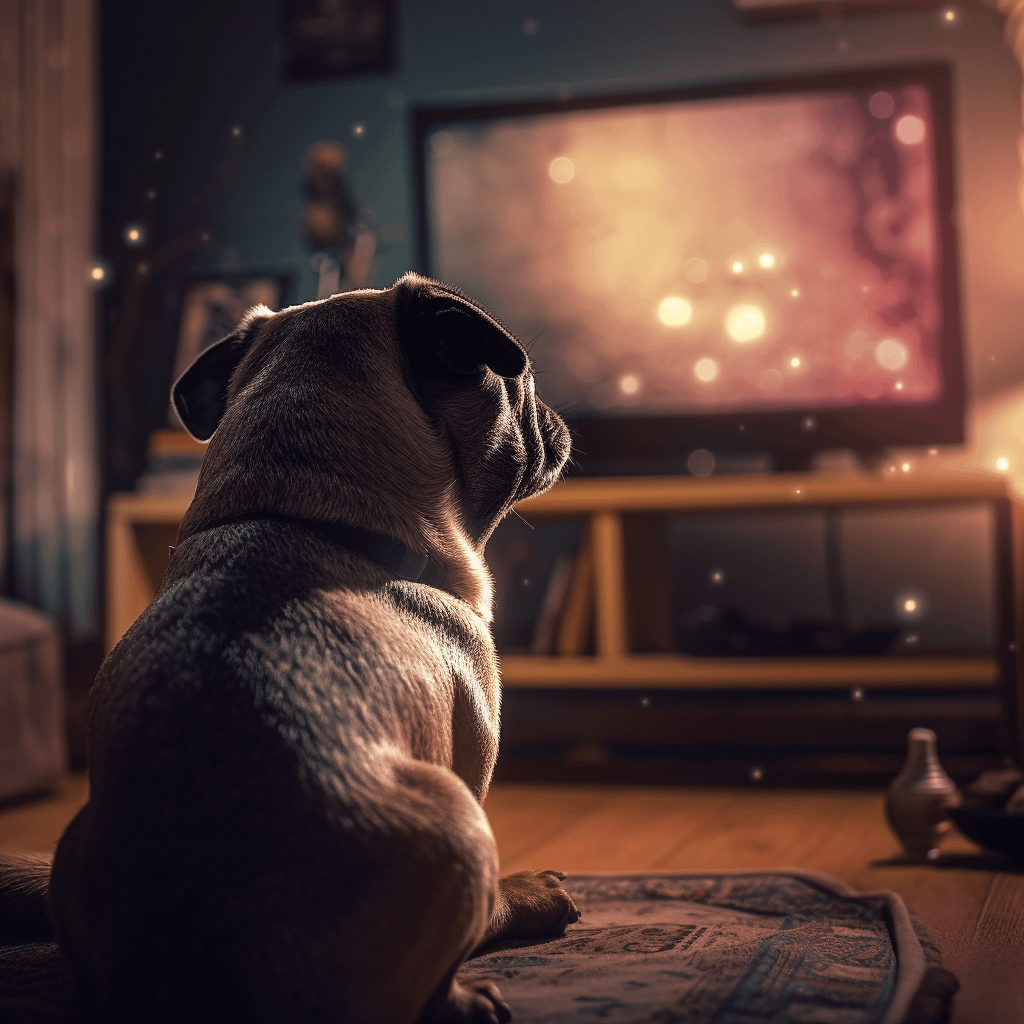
x=916 y=800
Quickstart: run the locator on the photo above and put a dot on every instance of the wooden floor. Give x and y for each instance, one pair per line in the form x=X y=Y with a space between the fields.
x=973 y=905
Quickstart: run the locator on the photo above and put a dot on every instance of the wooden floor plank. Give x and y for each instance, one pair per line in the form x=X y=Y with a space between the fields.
x=974 y=911
x=754 y=832
x=525 y=818
x=631 y=832
x=36 y=825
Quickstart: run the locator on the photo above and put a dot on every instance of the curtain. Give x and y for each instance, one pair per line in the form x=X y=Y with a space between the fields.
x=47 y=149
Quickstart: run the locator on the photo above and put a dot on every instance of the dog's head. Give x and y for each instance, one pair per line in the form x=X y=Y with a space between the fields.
x=410 y=411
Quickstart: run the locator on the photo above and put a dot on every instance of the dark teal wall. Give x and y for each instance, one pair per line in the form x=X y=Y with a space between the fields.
x=181 y=78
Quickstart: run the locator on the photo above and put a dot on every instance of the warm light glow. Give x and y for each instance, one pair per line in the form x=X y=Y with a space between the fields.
x=795 y=362
x=881 y=105
x=717 y=577
x=629 y=384
x=134 y=235
x=737 y=266
x=911 y=604
x=1002 y=464
x=795 y=293
x=98 y=273
x=910 y=129
x=696 y=270
x=561 y=170
x=745 y=322
x=359 y=130
x=766 y=260
x=899 y=385
x=905 y=467
x=701 y=462
x=705 y=370
x=636 y=172
x=892 y=354
x=674 y=311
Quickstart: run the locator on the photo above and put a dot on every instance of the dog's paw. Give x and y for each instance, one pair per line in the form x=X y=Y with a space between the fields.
x=532 y=904
x=470 y=1001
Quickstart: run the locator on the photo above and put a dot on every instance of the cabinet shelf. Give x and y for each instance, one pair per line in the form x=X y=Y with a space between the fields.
x=669 y=671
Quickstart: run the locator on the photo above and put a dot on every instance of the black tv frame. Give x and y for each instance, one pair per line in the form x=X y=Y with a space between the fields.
x=624 y=445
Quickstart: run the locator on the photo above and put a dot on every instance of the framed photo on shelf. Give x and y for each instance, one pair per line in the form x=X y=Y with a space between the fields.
x=211 y=306
x=337 y=38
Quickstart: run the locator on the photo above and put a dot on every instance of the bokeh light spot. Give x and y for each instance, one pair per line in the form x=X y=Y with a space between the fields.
x=674 y=311
x=892 y=354
x=881 y=105
x=561 y=170
x=910 y=605
x=629 y=384
x=701 y=462
x=745 y=322
x=910 y=130
x=705 y=370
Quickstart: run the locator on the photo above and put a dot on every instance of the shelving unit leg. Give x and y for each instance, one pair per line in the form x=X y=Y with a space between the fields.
x=609 y=585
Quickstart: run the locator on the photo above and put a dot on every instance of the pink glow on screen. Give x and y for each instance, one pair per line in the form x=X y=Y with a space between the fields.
x=754 y=253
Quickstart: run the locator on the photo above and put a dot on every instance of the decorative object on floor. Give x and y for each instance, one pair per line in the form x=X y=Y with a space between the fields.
x=993 y=828
x=918 y=798
x=780 y=947
x=992 y=811
x=755 y=946
x=33 y=748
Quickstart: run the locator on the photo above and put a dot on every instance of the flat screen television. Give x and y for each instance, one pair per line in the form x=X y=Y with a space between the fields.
x=756 y=267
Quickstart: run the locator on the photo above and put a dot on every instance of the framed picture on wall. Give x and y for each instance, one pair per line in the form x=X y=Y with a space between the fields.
x=337 y=38
x=757 y=10
x=212 y=305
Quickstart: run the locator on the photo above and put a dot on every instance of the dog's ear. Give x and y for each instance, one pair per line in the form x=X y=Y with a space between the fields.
x=438 y=324
x=200 y=394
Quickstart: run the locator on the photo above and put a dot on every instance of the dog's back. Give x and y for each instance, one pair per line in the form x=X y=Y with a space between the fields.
x=288 y=748
x=268 y=703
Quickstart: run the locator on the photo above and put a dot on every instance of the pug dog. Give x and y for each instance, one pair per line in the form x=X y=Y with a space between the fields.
x=289 y=748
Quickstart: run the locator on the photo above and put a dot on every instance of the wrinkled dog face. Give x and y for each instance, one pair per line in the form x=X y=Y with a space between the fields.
x=475 y=381
x=414 y=393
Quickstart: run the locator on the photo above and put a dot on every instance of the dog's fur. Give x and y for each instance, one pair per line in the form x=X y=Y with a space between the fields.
x=289 y=747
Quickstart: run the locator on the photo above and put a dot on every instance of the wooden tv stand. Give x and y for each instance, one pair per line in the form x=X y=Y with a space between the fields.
x=142 y=526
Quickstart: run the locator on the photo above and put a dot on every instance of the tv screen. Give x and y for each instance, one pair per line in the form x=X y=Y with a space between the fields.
x=762 y=266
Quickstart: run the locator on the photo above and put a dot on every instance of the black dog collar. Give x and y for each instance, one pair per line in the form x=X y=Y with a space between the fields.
x=398 y=558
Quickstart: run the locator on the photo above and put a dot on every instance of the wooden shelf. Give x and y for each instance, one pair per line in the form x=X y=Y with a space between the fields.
x=785 y=490
x=652 y=671
x=142 y=525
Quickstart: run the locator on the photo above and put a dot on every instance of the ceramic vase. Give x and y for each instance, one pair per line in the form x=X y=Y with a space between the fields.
x=916 y=801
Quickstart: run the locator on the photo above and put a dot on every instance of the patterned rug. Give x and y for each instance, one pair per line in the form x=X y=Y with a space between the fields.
x=754 y=948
